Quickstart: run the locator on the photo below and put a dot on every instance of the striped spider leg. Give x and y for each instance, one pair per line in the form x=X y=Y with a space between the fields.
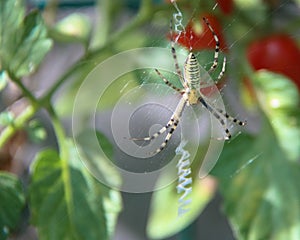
x=191 y=95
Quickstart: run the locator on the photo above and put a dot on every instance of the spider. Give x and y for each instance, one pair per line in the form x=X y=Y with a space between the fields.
x=191 y=95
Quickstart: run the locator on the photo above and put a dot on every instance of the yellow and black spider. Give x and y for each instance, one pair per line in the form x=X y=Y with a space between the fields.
x=191 y=94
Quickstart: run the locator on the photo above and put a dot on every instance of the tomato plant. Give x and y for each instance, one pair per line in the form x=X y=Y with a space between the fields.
x=226 y=6
x=197 y=35
x=277 y=53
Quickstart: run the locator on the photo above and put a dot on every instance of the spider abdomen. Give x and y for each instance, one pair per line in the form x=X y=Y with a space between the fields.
x=192 y=72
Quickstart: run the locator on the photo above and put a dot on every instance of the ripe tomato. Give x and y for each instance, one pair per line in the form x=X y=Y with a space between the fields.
x=277 y=53
x=226 y=6
x=197 y=35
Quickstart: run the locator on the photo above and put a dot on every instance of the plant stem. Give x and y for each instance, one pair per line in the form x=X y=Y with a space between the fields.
x=25 y=91
x=103 y=25
x=65 y=158
x=18 y=124
x=145 y=14
x=59 y=131
x=20 y=120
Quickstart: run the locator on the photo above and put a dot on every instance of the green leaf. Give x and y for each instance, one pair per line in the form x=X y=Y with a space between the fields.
x=67 y=202
x=23 y=44
x=279 y=99
x=98 y=164
x=73 y=28
x=11 y=204
x=260 y=187
x=166 y=215
x=164 y=220
x=9 y=28
x=259 y=175
x=102 y=169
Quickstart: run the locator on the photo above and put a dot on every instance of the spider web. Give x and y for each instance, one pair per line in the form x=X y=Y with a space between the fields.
x=228 y=89
x=212 y=95
x=201 y=130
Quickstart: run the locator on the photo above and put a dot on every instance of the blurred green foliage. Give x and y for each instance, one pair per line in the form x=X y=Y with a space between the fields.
x=258 y=172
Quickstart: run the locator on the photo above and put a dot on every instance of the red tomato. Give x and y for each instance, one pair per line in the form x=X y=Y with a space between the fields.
x=226 y=6
x=277 y=53
x=197 y=35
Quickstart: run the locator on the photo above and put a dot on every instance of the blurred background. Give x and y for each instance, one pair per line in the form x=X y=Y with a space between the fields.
x=260 y=40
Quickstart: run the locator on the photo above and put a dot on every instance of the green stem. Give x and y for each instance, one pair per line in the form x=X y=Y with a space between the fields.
x=18 y=124
x=25 y=91
x=144 y=15
x=20 y=120
x=65 y=159
x=105 y=9
x=59 y=131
